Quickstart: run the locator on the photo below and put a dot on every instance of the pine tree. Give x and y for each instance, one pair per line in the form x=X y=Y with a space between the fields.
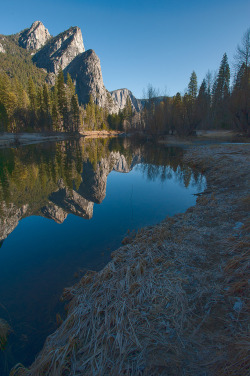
x=62 y=98
x=221 y=87
x=70 y=86
x=32 y=95
x=221 y=94
x=240 y=100
x=203 y=104
x=192 y=86
x=75 y=112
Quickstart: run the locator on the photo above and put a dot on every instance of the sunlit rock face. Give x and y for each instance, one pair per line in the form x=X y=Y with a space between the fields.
x=54 y=212
x=35 y=37
x=9 y=218
x=85 y=70
x=60 y=50
x=120 y=97
x=2 y=49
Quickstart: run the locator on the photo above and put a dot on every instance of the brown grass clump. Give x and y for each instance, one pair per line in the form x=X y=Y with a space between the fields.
x=174 y=299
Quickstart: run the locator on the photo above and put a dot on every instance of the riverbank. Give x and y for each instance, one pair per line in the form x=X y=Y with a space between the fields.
x=102 y=134
x=206 y=137
x=174 y=299
x=21 y=139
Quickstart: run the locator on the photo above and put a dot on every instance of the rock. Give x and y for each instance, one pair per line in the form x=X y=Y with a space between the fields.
x=54 y=212
x=94 y=181
x=35 y=37
x=2 y=49
x=60 y=50
x=120 y=98
x=85 y=71
x=10 y=217
x=72 y=202
x=121 y=165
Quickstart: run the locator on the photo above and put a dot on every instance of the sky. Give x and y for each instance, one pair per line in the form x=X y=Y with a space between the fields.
x=142 y=42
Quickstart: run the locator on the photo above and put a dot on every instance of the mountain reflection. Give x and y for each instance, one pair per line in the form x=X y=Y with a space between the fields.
x=56 y=179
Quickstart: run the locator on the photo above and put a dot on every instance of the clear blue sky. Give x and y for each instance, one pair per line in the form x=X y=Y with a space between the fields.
x=139 y=42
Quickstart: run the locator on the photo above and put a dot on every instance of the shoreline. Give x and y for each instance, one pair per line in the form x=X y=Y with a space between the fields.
x=8 y=140
x=20 y=139
x=207 y=136
x=172 y=301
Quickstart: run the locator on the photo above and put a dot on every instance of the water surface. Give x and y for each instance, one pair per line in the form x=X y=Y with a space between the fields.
x=64 y=207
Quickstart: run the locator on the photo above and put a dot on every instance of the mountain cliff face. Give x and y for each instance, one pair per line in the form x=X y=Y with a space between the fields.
x=93 y=186
x=35 y=37
x=60 y=50
x=10 y=216
x=85 y=71
x=65 y=50
x=120 y=97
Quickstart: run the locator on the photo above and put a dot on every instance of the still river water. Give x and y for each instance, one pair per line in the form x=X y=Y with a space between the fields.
x=64 y=207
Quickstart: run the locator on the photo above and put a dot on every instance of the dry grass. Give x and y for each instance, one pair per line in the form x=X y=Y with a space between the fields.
x=174 y=298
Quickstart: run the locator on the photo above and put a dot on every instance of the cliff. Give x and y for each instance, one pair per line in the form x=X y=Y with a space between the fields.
x=86 y=72
x=60 y=50
x=35 y=37
x=120 y=97
x=43 y=55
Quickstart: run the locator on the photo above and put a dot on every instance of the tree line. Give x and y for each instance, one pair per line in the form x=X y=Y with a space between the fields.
x=213 y=105
x=28 y=105
x=36 y=107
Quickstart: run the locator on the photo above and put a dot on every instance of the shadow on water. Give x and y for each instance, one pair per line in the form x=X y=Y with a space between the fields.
x=64 y=207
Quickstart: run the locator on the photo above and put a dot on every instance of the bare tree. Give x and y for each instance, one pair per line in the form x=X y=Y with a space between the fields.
x=242 y=55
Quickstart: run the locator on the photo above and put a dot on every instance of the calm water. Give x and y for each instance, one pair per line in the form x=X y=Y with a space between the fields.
x=64 y=207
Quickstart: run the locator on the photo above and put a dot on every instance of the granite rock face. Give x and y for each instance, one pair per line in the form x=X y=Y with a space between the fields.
x=54 y=212
x=120 y=98
x=60 y=50
x=72 y=202
x=35 y=37
x=2 y=49
x=10 y=217
x=94 y=183
x=85 y=71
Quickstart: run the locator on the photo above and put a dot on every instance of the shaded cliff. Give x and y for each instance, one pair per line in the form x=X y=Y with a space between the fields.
x=86 y=72
x=60 y=50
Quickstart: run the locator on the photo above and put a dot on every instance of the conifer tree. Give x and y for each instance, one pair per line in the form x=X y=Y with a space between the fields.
x=221 y=94
x=192 y=86
x=76 y=113
x=62 y=98
x=70 y=85
x=203 y=104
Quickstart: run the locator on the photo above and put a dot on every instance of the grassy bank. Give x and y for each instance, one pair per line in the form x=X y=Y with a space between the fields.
x=18 y=139
x=173 y=301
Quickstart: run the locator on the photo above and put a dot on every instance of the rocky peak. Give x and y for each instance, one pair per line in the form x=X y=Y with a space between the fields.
x=86 y=72
x=60 y=50
x=120 y=98
x=35 y=37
